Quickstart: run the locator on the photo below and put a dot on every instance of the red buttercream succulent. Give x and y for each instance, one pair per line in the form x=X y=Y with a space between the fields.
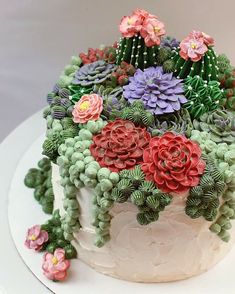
x=173 y=162
x=91 y=56
x=120 y=145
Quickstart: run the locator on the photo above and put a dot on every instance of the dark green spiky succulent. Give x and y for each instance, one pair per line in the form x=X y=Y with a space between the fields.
x=78 y=91
x=134 y=51
x=206 y=67
x=202 y=96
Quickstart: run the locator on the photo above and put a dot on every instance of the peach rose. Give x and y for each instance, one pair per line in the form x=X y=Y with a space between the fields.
x=89 y=107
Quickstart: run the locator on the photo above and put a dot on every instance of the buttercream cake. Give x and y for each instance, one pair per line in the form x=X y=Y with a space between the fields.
x=139 y=166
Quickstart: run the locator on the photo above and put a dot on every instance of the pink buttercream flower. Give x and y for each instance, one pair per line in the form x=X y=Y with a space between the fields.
x=192 y=48
x=36 y=238
x=55 y=265
x=152 y=30
x=208 y=40
x=141 y=13
x=89 y=107
x=130 y=25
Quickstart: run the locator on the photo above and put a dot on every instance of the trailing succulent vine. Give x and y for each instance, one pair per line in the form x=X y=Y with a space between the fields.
x=39 y=179
x=56 y=237
x=204 y=199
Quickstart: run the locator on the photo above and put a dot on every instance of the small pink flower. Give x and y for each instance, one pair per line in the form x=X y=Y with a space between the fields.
x=152 y=30
x=141 y=13
x=36 y=238
x=55 y=265
x=192 y=48
x=130 y=25
x=89 y=107
x=208 y=40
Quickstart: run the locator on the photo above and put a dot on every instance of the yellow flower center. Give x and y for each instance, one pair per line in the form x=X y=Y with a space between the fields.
x=129 y=22
x=84 y=105
x=32 y=237
x=193 y=45
x=157 y=29
x=54 y=260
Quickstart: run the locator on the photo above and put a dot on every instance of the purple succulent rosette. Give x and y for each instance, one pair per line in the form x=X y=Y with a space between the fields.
x=160 y=92
x=93 y=73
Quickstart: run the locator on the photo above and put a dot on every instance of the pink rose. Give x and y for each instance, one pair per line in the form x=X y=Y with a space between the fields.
x=89 y=107
x=55 y=265
x=152 y=30
x=36 y=238
x=130 y=25
x=192 y=48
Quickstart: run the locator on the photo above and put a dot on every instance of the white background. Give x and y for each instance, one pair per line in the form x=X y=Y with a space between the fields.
x=37 y=38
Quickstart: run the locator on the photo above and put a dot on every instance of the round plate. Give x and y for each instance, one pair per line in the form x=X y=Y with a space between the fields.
x=24 y=212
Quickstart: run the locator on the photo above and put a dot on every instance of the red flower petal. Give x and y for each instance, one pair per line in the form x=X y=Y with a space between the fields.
x=174 y=162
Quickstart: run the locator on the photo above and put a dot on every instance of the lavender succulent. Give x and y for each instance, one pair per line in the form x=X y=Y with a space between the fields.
x=169 y=42
x=93 y=73
x=160 y=92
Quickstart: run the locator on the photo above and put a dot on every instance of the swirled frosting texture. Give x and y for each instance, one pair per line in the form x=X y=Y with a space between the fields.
x=173 y=248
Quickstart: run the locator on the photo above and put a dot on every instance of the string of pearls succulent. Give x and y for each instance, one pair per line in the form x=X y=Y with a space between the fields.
x=40 y=180
x=57 y=132
x=224 y=155
x=67 y=75
x=77 y=169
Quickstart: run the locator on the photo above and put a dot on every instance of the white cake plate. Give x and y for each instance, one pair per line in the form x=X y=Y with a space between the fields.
x=24 y=211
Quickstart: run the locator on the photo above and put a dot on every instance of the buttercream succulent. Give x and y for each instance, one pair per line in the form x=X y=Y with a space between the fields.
x=120 y=145
x=195 y=45
x=89 y=107
x=137 y=114
x=169 y=42
x=91 y=56
x=219 y=123
x=55 y=265
x=173 y=162
x=160 y=92
x=121 y=74
x=152 y=30
x=36 y=238
x=93 y=73
x=202 y=96
x=178 y=122
x=227 y=82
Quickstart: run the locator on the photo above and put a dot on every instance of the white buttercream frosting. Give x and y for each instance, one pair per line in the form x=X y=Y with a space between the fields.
x=173 y=248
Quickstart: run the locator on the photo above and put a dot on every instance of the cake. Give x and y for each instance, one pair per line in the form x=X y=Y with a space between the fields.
x=138 y=172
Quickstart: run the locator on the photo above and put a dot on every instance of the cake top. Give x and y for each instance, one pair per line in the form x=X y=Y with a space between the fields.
x=145 y=120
